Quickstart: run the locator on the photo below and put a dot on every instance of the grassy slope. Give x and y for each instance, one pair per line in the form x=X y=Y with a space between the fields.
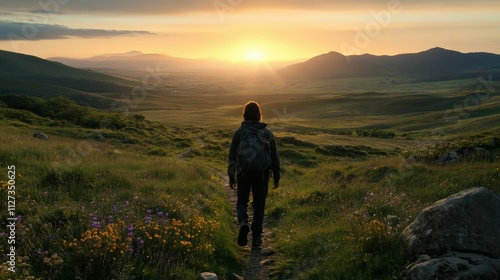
x=24 y=74
x=65 y=185
x=335 y=217
x=16 y=65
x=323 y=105
x=341 y=217
x=52 y=91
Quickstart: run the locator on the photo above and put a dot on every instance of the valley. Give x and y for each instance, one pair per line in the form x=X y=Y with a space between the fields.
x=109 y=197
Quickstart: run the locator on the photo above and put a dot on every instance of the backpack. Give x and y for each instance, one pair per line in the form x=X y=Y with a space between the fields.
x=254 y=151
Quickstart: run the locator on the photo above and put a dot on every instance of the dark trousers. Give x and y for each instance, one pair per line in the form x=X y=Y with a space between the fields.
x=258 y=184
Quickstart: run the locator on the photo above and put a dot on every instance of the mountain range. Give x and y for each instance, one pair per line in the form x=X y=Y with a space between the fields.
x=135 y=60
x=138 y=61
x=434 y=64
x=25 y=74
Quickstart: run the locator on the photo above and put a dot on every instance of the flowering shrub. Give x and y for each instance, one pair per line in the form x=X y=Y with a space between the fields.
x=377 y=218
x=125 y=243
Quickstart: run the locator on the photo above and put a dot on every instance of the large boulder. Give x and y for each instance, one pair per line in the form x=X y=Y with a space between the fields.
x=456 y=238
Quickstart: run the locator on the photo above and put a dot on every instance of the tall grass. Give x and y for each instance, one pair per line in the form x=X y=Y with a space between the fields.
x=88 y=210
x=344 y=220
x=105 y=209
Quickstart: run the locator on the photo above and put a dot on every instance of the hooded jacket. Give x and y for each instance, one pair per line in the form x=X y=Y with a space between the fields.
x=233 y=150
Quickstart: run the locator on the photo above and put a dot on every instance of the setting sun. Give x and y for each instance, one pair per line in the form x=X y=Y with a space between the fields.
x=255 y=55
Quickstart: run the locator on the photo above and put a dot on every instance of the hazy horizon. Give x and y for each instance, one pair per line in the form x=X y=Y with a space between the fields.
x=239 y=30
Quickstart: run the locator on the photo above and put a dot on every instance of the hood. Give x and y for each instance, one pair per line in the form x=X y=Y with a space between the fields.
x=256 y=124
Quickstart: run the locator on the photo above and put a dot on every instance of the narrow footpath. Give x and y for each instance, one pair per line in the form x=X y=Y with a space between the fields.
x=256 y=261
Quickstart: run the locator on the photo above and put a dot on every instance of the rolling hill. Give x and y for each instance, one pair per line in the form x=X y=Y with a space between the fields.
x=30 y=75
x=432 y=65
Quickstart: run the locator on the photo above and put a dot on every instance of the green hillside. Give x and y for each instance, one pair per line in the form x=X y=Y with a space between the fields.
x=25 y=74
x=50 y=91
x=94 y=197
x=21 y=66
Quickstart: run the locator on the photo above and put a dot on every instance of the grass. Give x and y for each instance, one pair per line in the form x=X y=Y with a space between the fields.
x=344 y=220
x=136 y=198
x=97 y=212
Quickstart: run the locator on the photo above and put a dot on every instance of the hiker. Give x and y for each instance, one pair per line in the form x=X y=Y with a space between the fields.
x=252 y=157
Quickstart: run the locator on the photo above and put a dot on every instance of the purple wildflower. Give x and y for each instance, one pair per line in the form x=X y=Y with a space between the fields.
x=130 y=231
x=140 y=244
x=148 y=218
x=95 y=223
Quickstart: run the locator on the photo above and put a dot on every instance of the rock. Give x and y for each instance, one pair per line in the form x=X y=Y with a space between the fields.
x=40 y=135
x=449 y=158
x=208 y=276
x=414 y=159
x=467 y=222
x=267 y=252
x=474 y=153
x=456 y=238
x=266 y=262
x=454 y=265
x=237 y=277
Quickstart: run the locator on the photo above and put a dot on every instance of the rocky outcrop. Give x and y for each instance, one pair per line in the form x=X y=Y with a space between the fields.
x=456 y=238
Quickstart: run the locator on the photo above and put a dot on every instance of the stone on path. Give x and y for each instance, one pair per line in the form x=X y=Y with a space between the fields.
x=208 y=276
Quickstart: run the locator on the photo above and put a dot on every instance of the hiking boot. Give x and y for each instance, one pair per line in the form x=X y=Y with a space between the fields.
x=243 y=233
x=256 y=241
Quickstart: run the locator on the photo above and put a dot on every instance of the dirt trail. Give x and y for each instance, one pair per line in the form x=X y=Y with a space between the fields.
x=201 y=144
x=256 y=260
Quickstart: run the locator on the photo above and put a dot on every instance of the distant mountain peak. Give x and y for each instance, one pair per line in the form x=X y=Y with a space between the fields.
x=133 y=53
x=334 y=53
x=439 y=50
x=112 y=55
x=328 y=56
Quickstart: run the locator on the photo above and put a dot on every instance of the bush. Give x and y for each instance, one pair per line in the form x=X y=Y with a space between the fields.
x=376 y=133
x=342 y=151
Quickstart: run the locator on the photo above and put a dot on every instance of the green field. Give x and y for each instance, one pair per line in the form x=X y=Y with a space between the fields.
x=93 y=199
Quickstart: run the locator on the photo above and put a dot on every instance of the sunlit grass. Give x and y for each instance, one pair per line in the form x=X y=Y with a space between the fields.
x=344 y=220
x=87 y=209
x=146 y=200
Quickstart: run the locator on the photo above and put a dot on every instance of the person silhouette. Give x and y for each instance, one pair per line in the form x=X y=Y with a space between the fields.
x=253 y=157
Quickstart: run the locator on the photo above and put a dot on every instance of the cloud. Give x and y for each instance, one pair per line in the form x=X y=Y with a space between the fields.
x=166 y=7
x=36 y=32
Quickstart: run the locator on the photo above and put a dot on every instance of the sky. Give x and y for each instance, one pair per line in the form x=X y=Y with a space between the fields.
x=240 y=30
